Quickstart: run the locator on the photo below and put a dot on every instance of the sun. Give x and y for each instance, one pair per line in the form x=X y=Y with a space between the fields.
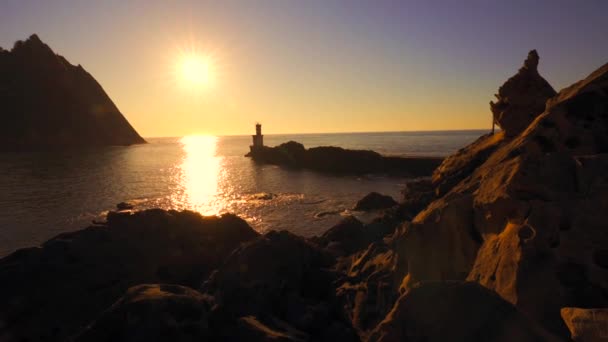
x=195 y=71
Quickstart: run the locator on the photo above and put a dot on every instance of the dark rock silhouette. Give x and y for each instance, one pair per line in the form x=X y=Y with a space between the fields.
x=50 y=292
x=49 y=103
x=337 y=160
x=154 y=313
x=281 y=276
x=522 y=98
x=374 y=201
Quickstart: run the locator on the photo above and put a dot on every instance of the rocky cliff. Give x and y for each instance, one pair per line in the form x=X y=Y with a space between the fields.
x=46 y=102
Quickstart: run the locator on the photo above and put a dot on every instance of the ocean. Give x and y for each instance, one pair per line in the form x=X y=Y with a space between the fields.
x=43 y=194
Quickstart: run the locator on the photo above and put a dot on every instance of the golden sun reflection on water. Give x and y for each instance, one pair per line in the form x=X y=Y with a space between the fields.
x=201 y=170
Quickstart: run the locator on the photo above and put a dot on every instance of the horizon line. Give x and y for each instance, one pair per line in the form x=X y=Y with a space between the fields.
x=343 y=132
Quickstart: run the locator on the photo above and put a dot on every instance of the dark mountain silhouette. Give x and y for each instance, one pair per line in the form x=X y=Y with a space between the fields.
x=46 y=102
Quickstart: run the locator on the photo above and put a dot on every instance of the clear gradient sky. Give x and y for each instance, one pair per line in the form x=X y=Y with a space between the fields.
x=314 y=66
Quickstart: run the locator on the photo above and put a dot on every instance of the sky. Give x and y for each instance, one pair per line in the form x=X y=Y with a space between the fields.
x=313 y=66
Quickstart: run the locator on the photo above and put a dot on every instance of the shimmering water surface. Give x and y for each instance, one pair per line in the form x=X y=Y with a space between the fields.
x=46 y=193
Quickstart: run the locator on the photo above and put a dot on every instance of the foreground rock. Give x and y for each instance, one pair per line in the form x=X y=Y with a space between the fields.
x=586 y=325
x=522 y=98
x=285 y=282
x=53 y=291
x=49 y=103
x=154 y=313
x=374 y=201
x=342 y=161
x=525 y=215
x=455 y=312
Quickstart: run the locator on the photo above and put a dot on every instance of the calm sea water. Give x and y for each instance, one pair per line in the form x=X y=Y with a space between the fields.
x=43 y=194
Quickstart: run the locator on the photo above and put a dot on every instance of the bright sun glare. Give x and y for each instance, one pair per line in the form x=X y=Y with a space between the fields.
x=196 y=71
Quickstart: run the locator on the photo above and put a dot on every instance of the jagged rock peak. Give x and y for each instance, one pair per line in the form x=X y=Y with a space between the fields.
x=531 y=63
x=521 y=98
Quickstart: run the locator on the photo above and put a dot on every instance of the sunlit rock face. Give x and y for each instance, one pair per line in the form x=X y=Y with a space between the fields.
x=529 y=220
x=455 y=311
x=46 y=102
x=51 y=292
x=522 y=98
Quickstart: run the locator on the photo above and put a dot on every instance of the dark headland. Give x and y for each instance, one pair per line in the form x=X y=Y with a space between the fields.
x=48 y=103
x=332 y=159
x=506 y=242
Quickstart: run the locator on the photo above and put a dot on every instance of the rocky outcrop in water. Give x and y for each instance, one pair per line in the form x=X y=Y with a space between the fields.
x=337 y=160
x=46 y=102
x=374 y=201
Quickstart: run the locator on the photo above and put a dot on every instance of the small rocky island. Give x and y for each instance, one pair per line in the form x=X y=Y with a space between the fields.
x=48 y=103
x=506 y=242
x=337 y=160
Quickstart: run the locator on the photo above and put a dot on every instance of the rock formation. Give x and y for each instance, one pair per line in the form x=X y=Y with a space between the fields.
x=526 y=219
x=374 y=201
x=454 y=311
x=586 y=325
x=50 y=292
x=285 y=282
x=49 y=103
x=154 y=313
x=337 y=160
x=522 y=98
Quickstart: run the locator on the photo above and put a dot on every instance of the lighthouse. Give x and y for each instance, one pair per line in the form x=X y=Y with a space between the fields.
x=258 y=138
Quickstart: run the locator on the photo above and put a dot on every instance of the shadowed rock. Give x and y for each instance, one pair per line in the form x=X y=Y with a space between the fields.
x=522 y=98
x=154 y=313
x=374 y=201
x=283 y=277
x=49 y=103
x=586 y=325
x=51 y=292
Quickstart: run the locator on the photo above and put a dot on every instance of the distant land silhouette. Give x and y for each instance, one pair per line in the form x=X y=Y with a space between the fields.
x=46 y=103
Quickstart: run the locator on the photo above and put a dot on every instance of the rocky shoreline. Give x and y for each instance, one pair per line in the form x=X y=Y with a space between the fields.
x=506 y=242
x=337 y=160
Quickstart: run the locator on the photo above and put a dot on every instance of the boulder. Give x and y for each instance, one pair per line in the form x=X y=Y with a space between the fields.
x=455 y=311
x=345 y=237
x=284 y=277
x=374 y=201
x=124 y=206
x=49 y=103
x=522 y=98
x=415 y=196
x=586 y=325
x=51 y=292
x=154 y=313
x=370 y=284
